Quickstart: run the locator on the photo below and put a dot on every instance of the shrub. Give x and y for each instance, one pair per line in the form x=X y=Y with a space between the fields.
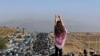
x=2 y=43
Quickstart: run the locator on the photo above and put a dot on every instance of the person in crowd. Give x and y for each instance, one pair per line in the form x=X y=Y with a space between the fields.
x=85 y=52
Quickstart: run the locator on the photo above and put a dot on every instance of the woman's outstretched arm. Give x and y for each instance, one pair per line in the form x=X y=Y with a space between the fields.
x=56 y=19
x=60 y=19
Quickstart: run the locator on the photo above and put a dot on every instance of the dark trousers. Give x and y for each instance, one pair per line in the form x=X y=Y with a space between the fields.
x=58 y=51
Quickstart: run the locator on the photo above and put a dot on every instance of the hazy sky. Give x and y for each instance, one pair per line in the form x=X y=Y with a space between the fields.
x=80 y=10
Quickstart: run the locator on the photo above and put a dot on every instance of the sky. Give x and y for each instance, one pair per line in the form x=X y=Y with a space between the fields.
x=86 y=11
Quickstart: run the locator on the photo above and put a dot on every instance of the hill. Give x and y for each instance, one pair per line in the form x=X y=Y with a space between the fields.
x=48 y=25
x=4 y=31
x=78 y=41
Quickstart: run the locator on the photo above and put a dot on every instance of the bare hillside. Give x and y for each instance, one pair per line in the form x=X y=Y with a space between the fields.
x=4 y=31
x=78 y=41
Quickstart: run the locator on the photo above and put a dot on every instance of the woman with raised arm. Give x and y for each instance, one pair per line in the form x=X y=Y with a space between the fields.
x=60 y=34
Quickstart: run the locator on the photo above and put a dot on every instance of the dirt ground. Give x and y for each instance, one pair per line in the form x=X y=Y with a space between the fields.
x=78 y=41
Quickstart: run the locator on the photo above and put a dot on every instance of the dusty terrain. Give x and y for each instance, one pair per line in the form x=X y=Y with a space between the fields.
x=4 y=31
x=78 y=41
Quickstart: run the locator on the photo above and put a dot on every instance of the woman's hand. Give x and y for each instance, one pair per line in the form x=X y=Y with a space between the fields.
x=58 y=18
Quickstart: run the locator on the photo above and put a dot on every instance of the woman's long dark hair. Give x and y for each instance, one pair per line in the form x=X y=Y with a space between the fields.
x=59 y=28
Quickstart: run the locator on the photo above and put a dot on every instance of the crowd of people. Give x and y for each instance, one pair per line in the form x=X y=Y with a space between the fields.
x=30 y=45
